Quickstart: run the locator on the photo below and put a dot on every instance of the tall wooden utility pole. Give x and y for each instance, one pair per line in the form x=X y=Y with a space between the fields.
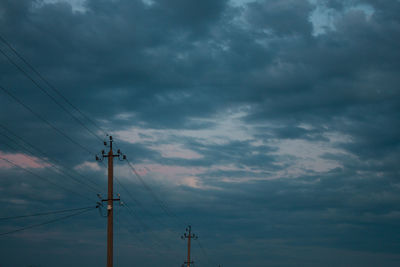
x=188 y=234
x=110 y=197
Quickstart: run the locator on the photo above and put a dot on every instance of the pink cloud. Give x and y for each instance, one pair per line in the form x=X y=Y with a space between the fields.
x=87 y=165
x=21 y=160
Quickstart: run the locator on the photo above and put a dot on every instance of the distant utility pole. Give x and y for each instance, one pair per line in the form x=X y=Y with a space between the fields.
x=188 y=234
x=110 y=200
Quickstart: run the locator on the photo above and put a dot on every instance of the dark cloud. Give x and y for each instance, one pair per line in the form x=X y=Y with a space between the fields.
x=281 y=17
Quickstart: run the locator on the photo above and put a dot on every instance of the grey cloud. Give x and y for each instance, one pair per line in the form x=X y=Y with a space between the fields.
x=299 y=133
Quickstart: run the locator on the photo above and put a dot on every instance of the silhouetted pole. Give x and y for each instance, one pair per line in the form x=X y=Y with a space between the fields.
x=189 y=236
x=110 y=200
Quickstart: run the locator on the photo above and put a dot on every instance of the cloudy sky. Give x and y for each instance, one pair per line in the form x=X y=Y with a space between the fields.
x=271 y=126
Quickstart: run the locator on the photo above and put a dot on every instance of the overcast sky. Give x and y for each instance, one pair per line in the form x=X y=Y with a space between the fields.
x=271 y=126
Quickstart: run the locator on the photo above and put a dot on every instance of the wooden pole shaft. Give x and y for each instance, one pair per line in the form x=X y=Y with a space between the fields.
x=110 y=210
x=190 y=235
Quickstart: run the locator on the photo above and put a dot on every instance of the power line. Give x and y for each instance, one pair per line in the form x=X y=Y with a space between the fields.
x=145 y=227
x=50 y=85
x=135 y=216
x=154 y=241
x=45 y=155
x=128 y=192
x=42 y=213
x=45 y=179
x=44 y=120
x=49 y=95
x=52 y=166
x=161 y=203
x=55 y=168
x=158 y=201
x=128 y=227
x=164 y=206
x=130 y=195
x=110 y=155
x=204 y=252
x=46 y=222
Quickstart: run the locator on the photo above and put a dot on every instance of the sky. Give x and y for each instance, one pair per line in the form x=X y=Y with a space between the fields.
x=271 y=127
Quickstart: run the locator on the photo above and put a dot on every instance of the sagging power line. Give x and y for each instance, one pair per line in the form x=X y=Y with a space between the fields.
x=47 y=222
x=51 y=86
x=42 y=213
x=51 y=125
x=38 y=152
x=26 y=74
x=161 y=203
x=56 y=169
x=45 y=179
